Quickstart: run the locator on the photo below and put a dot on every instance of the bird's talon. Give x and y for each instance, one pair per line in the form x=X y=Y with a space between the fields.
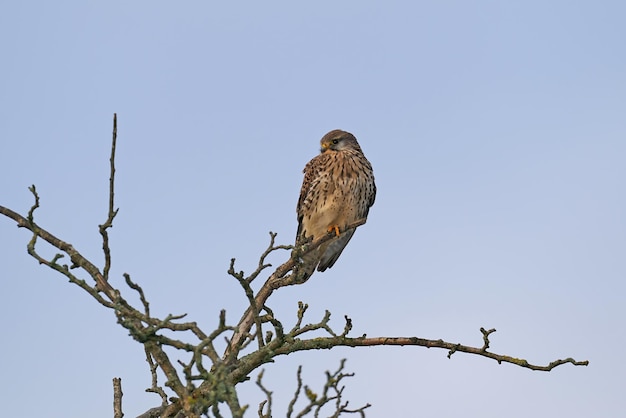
x=334 y=228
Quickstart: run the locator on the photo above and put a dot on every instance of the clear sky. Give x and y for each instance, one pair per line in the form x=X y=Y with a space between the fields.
x=497 y=133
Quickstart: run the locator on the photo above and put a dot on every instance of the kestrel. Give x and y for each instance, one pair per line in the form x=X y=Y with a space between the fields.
x=338 y=189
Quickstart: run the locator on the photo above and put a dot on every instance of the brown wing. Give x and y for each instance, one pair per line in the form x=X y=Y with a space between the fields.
x=309 y=187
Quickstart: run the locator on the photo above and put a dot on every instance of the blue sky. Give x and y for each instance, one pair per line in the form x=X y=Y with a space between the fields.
x=497 y=135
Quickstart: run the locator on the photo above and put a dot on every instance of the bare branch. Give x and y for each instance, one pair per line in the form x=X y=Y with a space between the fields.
x=138 y=289
x=218 y=374
x=77 y=259
x=296 y=395
x=277 y=280
x=329 y=342
x=332 y=393
x=153 y=413
x=254 y=307
x=112 y=211
x=117 y=398
x=323 y=324
x=486 y=337
x=268 y=401
x=155 y=388
x=271 y=248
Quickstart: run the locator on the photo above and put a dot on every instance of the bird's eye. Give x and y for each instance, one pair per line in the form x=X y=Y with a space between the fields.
x=335 y=141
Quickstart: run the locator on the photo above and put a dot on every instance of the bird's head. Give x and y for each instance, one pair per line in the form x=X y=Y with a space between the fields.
x=338 y=140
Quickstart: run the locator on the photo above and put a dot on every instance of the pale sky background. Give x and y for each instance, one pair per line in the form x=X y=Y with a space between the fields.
x=497 y=132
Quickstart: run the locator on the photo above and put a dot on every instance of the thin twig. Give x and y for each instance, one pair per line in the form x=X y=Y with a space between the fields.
x=268 y=394
x=112 y=211
x=77 y=259
x=332 y=391
x=155 y=388
x=486 y=337
x=138 y=289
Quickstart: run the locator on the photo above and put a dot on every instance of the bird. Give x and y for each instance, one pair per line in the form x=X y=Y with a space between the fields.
x=338 y=189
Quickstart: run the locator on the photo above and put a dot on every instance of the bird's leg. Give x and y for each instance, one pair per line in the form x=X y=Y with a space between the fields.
x=335 y=228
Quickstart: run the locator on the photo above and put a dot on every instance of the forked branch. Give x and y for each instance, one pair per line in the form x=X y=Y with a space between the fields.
x=280 y=278
x=207 y=379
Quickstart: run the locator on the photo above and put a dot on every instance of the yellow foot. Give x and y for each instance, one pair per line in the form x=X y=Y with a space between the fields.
x=334 y=228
